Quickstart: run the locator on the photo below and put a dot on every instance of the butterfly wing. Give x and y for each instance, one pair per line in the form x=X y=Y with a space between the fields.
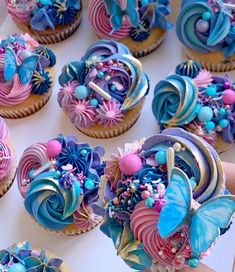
x=116 y=13
x=206 y=223
x=133 y=15
x=179 y=197
x=26 y=69
x=10 y=64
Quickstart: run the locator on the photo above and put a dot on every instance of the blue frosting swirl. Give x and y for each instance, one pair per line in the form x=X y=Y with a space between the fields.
x=188 y=68
x=41 y=82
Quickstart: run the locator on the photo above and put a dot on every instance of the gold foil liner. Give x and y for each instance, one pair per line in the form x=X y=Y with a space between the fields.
x=214 y=62
x=51 y=36
x=101 y=132
x=31 y=105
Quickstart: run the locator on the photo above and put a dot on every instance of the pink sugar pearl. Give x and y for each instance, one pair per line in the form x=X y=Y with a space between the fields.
x=130 y=164
x=228 y=97
x=53 y=148
x=145 y=195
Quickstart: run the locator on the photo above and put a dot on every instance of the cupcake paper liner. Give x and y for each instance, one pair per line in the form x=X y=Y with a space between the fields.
x=160 y=268
x=51 y=37
x=99 y=131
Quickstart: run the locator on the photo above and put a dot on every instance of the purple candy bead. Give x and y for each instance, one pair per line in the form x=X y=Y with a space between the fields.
x=202 y=26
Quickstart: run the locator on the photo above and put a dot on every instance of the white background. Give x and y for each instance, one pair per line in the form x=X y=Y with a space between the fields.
x=93 y=251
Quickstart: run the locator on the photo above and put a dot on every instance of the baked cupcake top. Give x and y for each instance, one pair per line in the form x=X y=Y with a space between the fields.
x=21 y=257
x=207 y=26
x=160 y=190
x=122 y=19
x=23 y=64
x=6 y=154
x=101 y=87
x=59 y=180
x=44 y=14
x=198 y=101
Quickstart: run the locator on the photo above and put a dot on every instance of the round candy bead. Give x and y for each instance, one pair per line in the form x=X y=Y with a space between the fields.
x=211 y=91
x=160 y=157
x=83 y=152
x=223 y=123
x=57 y=174
x=94 y=102
x=53 y=148
x=202 y=26
x=89 y=184
x=100 y=74
x=31 y=173
x=228 y=97
x=17 y=267
x=206 y=16
x=130 y=164
x=205 y=114
x=222 y=112
x=210 y=126
x=145 y=194
x=193 y=262
x=113 y=87
x=81 y=92
x=149 y=202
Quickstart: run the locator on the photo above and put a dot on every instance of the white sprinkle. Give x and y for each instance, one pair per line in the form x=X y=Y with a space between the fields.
x=100 y=91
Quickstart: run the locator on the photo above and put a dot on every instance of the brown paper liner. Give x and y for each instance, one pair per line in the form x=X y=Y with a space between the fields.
x=101 y=132
x=51 y=36
x=31 y=105
x=214 y=62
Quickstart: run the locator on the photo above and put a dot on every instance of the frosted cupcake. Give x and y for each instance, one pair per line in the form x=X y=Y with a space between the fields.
x=22 y=257
x=141 y=25
x=159 y=190
x=199 y=102
x=48 y=21
x=25 y=75
x=7 y=159
x=207 y=30
x=103 y=94
x=59 y=181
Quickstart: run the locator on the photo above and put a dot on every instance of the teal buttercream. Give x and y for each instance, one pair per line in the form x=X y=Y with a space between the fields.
x=175 y=101
x=50 y=204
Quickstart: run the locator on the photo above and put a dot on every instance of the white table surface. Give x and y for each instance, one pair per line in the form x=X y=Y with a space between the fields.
x=93 y=251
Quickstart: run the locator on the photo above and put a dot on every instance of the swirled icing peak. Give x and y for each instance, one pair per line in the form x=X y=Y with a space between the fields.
x=200 y=102
x=207 y=26
x=140 y=195
x=56 y=177
x=43 y=15
x=100 y=88
x=21 y=257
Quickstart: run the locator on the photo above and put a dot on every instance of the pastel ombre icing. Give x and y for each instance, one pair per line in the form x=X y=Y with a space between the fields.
x=59 y=181
x=167 y=201
x=48 y=21
x=207 y=29
x=141 y=25
x=197 y=101
x=21 y=257
x=25 y=75
x=104 y=92
x=7 y=159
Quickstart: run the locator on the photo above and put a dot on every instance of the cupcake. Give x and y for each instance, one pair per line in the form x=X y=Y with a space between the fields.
x=25 y=75
x=141 y=25
x=161 y=194
x=22 y=257
x=48 y=21
x=199 y=102
x=207 y=30
x=59 y=181
x=103 y=94
x=7 y=159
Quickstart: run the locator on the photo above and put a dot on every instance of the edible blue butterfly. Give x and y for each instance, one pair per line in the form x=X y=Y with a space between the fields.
x=117 y=13
x=24 y=70
x=204 y=221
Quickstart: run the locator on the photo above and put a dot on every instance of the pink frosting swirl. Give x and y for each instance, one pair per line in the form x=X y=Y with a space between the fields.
x=6 y=160
x=65 y=95
x=4 y=131
x=172 y=251
x=85 y=219
x=12 y=92
x=100 y=22
x=33 y=157
x=82 y=114
x=21 y=10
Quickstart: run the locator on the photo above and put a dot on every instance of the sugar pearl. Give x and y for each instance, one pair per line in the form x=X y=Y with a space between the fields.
x=177 y=147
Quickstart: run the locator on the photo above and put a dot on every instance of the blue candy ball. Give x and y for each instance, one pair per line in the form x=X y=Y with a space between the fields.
x=45 y=2
x=94 y=102
x=160 y=157
x=84 y=152
x=17 y=267
x=57 y=174
x=100 y=74
x=193 y=262
x=222 y=112
x=210 y=126
x=211 y=91
x=205 y=114
x=223 y=123
x=31 y=173
x=206 y=16
x=81 y=92
x=149 y=202
x=89 y=184
x=113 y=87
